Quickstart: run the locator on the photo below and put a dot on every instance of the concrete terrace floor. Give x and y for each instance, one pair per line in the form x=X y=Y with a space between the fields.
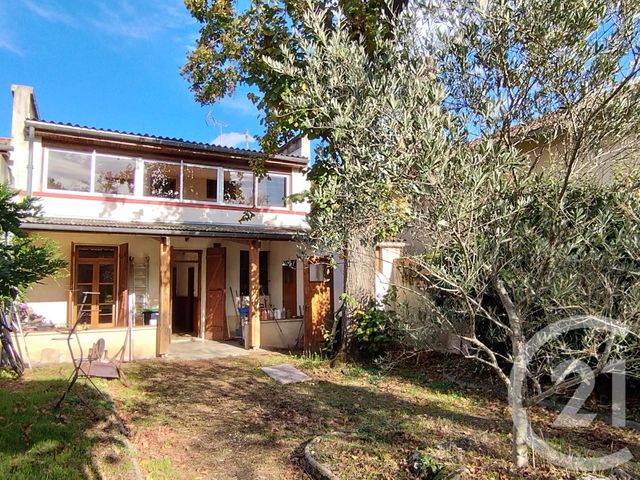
x=184 y=347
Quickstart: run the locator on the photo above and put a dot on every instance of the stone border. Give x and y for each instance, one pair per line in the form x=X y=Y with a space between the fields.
x=314 y=468
x=319 y=471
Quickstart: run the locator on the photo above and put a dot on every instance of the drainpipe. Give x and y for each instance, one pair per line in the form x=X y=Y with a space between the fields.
x=30 y=163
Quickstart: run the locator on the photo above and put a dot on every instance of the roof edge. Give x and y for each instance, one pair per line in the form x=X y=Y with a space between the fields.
x=54 y=127
x=61 y=227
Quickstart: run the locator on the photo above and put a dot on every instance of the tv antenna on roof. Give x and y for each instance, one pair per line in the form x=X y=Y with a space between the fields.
x=211 y=120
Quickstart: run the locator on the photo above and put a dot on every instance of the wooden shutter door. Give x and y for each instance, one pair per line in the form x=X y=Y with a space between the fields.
x=216 y=284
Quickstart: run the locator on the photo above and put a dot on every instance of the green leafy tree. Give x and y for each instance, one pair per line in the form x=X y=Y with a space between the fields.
x=233 y=43
x=342 y=74
x=375 y=150
x=24 y=260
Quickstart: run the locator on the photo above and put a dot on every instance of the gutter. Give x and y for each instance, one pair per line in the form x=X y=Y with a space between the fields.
x=154 y=231
x=149 y=140
x=30 y=162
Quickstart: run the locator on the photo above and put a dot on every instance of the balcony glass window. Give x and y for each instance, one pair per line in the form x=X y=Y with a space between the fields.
x=161 y=180
x=238 y=187
x=200 y=183
x=69 y=171
x=272 y=191
x=114 y=175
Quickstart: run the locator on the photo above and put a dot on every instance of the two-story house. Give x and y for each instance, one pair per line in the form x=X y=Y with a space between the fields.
x=152 y=226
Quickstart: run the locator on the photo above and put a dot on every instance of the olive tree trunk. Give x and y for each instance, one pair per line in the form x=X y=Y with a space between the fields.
x=360 y=288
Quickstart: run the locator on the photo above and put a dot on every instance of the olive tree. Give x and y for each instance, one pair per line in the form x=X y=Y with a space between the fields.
x=234 y=39
x=534 y=219
x=337 y=73
x=383 y=126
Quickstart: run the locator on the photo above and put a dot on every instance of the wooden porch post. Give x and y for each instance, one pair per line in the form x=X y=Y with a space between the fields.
x=163 y=337
x=252 y=339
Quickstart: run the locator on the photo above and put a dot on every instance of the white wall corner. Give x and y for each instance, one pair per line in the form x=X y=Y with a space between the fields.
x=299 y=146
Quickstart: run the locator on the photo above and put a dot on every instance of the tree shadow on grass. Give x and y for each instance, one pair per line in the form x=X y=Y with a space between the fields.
x=230 y=414
x=37 y=441
x=231 y=406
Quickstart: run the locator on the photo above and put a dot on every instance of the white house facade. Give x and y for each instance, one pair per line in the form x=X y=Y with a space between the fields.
x=172 y=238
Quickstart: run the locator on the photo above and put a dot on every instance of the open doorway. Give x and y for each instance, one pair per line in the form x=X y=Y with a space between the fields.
x=185 y=292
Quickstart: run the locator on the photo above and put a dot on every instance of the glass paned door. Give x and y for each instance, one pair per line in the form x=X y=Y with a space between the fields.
x=96 y=272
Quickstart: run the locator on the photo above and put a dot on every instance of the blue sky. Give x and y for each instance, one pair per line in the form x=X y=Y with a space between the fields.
x=113 y=64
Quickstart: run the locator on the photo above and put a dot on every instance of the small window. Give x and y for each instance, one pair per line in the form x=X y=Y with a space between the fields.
x=272 y=191
x=318 y=272
x=96 y=252
x=161 y=180
x=238 y=187
x=69 y=171
x=115 y=175
x=212 y=189
x=200 y=183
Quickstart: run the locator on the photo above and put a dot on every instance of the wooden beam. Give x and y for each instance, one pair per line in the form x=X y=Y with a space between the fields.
x=163 y=337
x=252 y=339
x=123 y=285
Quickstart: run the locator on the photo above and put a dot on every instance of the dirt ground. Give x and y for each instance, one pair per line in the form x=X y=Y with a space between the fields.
x=225 y=419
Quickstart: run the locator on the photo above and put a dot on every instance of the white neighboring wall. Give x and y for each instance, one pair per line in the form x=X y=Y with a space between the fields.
x=385 y=275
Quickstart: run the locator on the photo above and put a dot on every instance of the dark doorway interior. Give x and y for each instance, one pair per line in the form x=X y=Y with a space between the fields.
x=185 y=292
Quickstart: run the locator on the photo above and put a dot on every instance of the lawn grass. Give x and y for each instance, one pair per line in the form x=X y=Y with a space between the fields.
x=38 y=442
x=225 y=419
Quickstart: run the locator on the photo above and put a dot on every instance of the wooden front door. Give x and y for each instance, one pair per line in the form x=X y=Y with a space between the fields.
x=318 y=307
x=185 y=296
x=95 y=271
x=215 y=319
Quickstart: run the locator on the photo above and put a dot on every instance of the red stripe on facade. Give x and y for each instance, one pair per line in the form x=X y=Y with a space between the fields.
x=146 y=201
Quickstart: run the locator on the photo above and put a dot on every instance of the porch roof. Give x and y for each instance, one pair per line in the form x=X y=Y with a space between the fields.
x=164 y=229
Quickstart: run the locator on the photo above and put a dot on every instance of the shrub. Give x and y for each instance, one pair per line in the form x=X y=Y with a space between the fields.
x=374 y=330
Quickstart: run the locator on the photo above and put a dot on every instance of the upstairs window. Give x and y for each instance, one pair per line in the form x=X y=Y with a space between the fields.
x=119 y=175
x=161 y=180
x=238 y=187
x=200 y=183
x=272 y=191
x=69 y=171
x=114 y=175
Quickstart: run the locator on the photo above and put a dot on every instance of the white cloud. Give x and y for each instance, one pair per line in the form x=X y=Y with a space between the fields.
x=238 y=104
x=233 y=139
x=48 y=11
x=7 y=41
x=123 y=19
x=135 y=20
x=7 y=44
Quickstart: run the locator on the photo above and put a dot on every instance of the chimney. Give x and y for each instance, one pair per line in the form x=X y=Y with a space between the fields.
x=24 y=107
x=299 y=146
